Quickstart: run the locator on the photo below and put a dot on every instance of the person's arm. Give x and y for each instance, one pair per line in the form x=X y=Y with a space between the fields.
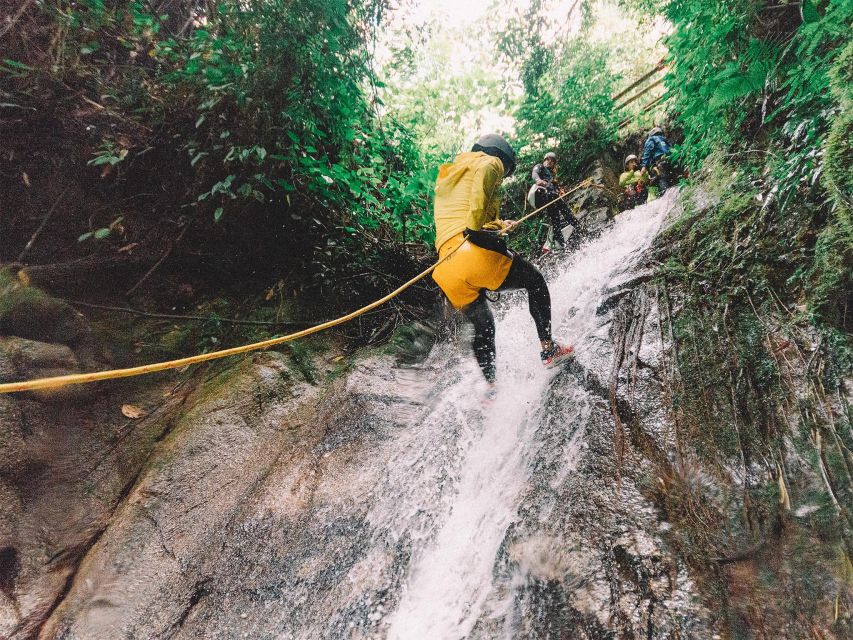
x=647 y=153
x=484 y=203
x=537 y=176
x=624 y=178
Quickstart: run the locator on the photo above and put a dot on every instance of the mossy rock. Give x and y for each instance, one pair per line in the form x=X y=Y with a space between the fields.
x=839 y=145
x=23 y=359
x=12 y=439
x=841 y=75
x=30 y=313
x=839 y=159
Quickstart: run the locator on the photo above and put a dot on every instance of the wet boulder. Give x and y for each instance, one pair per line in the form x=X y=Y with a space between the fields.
x=42 y=336
x=594 y=218
x=30 y=313
x=23 y=359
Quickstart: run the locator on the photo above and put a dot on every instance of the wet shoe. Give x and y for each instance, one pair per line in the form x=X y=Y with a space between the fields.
x=490 y=395
x=556 y=355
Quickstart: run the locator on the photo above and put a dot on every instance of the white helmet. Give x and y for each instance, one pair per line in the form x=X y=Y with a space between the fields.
x=628 y=159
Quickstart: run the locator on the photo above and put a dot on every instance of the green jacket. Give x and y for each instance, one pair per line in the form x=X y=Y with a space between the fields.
x=631 y=177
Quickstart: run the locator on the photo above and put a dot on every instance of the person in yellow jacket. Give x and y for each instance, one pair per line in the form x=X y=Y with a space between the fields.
x=468 y=229
x=633 y=180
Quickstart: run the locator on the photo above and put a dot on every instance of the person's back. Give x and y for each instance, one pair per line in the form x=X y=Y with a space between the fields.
x=655 y=148
x=466 y=194
x=473 y=260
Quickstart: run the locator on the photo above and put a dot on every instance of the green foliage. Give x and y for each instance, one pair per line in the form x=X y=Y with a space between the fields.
x=271 y=103
x=442 y=106
x=839 y=150
x=709 y=78
x=567 y=107
x=108 y=153
x=102 y=233
x=567 y=86
x=735 y=67
x=748 y=78
x=753 y=383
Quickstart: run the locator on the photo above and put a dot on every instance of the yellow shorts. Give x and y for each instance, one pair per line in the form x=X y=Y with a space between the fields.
x=468 y=271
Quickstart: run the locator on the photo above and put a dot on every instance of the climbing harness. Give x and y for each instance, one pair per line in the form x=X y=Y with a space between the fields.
x=112 y=374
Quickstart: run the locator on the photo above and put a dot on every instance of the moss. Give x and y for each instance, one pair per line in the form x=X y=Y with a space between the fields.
x=841 y=74
x=724 y=265
x=839 y=162
x=301 y=360
x=14 y=292
x=834 y=249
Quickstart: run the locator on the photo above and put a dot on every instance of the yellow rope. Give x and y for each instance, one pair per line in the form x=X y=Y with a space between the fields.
x=96 y=376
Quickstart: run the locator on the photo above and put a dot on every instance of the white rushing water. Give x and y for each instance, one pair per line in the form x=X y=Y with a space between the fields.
x=461 y=474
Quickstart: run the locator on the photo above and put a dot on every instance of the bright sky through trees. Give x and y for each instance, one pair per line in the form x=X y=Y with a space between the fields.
x=453 y=84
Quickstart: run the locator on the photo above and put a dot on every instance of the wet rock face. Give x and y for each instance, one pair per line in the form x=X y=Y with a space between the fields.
x=169 y=543
x=389 y=503
x=587 y=558
x=596 y=204
x=62 y=473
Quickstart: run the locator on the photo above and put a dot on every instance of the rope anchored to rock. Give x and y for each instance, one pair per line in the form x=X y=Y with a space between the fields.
x=113 y=374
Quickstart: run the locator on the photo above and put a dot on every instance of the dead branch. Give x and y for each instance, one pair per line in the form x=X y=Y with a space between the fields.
x=41 y=227
x=24 y=8
x=162 y=259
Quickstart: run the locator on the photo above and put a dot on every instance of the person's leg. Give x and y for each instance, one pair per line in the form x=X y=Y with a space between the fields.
x=523 y=275
x=664 y=180
x=542 y=198
x=481 y=317
x=566 y=213
x=560 y=216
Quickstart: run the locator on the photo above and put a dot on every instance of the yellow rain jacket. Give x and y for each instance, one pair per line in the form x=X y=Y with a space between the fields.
x=467 y=196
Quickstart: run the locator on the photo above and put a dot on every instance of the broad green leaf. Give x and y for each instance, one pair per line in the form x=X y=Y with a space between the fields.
x=14 y=64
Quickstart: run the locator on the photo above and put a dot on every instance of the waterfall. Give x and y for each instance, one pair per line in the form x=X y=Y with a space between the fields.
x=449 y=582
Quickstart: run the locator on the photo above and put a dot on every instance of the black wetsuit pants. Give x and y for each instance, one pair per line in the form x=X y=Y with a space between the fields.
x=559 y=213
x=522 y=275
x=663 y=177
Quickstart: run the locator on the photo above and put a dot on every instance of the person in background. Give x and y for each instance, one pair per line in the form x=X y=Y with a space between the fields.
x=633 y=181
x=473 y=257
x=545 y=190
x=655 y=160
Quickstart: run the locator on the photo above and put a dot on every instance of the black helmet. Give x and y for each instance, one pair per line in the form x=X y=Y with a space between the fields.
x=495 y=145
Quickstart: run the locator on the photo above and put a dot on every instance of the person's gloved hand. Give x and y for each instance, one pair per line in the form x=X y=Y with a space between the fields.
x=499 y=225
